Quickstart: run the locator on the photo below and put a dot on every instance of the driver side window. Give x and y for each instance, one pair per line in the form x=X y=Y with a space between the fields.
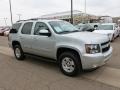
x=40 y=26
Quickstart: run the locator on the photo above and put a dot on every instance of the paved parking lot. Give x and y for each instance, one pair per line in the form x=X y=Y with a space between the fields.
x=36 y=74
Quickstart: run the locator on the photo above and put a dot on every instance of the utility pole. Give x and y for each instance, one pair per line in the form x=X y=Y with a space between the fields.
x=72 y=11
x=5 y=19
x=85 y=7
x=19 y=16
x=11 y=12
x=85 y=13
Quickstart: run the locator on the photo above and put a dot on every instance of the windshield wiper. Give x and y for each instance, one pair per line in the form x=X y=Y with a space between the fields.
x=69 y=31
x=64 y=32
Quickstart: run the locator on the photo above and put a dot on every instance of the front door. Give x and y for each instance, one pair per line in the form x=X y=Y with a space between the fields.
x=43 y=45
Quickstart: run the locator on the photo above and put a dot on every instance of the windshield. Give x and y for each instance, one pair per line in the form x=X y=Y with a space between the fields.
x=106 y=27
x=62 y=27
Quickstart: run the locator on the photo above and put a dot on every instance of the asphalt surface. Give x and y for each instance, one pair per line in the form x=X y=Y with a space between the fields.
x=115 y=60
x=36 y=74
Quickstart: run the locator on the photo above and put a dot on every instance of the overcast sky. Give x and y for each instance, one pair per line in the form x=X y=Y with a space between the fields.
x=36 y=8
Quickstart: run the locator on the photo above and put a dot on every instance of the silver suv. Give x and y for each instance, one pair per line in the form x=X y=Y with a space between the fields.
x=60 y=41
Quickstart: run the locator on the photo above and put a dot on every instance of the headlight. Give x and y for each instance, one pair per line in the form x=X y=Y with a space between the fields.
x=92 y=48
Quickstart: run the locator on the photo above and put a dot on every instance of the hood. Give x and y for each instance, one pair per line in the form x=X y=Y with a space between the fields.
x=88 y=37
x=104 y=31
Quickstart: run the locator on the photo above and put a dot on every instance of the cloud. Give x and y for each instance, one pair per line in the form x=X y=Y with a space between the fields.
x=36 y=8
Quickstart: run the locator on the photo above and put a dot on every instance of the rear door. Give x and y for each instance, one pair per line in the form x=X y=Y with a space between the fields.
x=25 y=37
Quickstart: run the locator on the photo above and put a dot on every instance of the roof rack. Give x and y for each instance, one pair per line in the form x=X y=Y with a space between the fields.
x=34 y=19
x=21 y=20
x=30 y=19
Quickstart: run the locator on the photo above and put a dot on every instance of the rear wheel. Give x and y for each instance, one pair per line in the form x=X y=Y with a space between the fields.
x=18 y=52
x=69 y=63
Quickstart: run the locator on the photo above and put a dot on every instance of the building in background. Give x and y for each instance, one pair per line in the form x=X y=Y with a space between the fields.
x=106 y=19
x=79 y=16
x=116 y=20
x=119 y=22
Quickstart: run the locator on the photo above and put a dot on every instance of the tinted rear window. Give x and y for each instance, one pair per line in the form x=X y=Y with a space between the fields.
x=27 y=28
x=15 y=28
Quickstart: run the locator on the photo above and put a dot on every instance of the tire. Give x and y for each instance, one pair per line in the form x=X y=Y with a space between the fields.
x=70 y=60
x=18 y=52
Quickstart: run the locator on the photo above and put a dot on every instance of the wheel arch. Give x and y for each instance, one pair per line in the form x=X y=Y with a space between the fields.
x=15 y=43
x=60 y=50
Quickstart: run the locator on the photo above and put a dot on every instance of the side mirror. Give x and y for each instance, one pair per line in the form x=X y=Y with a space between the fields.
x=44 y=33
x=13 y=30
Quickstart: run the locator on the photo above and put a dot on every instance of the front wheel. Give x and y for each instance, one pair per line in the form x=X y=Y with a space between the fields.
x=19 y=54
x=69 y=63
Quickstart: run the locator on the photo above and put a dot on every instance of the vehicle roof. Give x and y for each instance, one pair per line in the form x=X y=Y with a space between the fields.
x=80 y=24
x=94 y=23
x=108 y=24
x=83 y=24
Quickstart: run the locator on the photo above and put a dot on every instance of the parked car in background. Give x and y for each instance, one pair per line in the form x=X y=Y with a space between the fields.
x=110 y=29
x=94 y=25
x=119 y=30
x=85 y=27
x=4 y=31
x=60 y=41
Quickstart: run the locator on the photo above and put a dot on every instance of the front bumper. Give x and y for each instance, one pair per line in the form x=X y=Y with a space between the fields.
x=91 y=61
